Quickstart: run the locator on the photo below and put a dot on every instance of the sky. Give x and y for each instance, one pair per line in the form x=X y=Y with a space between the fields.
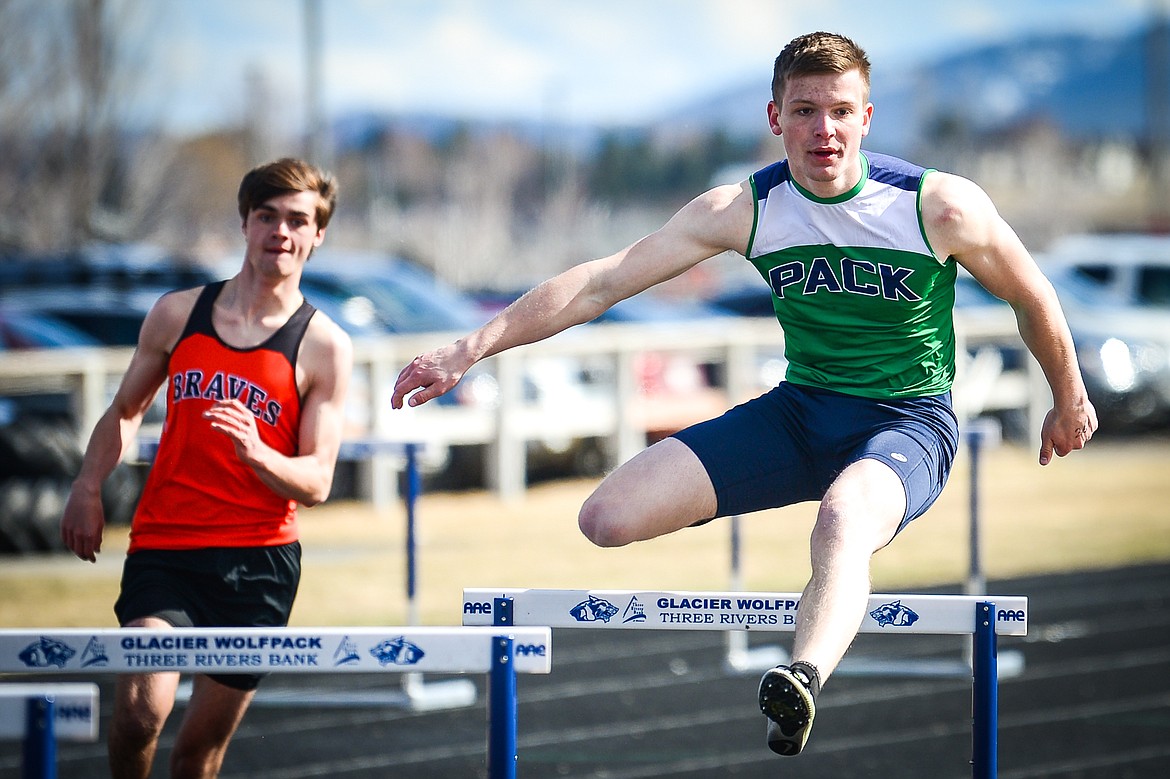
x=576 y=61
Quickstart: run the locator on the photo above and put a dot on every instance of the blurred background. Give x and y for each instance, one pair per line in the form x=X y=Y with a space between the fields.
x=498 y=143
x=482 y=147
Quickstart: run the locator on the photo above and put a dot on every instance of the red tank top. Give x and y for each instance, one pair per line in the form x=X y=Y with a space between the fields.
x=198 y=494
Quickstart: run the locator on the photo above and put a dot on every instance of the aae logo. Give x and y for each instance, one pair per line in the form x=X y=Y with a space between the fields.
x=397 y=651
x=894 y=614
x=594 y=610
x=471 y=607
x=539 y=650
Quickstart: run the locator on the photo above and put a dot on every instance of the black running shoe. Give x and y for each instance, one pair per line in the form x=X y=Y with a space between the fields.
x=787 y=703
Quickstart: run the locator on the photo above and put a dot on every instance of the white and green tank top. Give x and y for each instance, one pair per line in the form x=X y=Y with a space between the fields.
x=865 y=304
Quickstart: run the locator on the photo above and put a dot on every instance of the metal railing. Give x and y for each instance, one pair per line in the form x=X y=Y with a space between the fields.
x=613 y=409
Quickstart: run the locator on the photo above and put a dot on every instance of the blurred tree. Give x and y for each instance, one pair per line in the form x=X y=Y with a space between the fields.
x=71 y=170
x=633 y=166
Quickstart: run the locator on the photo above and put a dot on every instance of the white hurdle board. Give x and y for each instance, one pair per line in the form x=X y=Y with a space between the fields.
x=75 y=709
x=768 y=611
x=499 y=652
x=268 y=650
x=981 y=616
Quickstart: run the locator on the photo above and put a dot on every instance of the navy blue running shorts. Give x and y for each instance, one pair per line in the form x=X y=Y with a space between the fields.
x=788 y=445
x=217 y=587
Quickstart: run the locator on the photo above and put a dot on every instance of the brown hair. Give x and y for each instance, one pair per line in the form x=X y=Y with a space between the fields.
x=283 y=176
x=818 y=53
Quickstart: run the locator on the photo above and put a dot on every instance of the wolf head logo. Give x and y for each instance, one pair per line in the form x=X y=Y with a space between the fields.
x=593 y=610
x=46 y=652
x=893 y=614
x=397 y=651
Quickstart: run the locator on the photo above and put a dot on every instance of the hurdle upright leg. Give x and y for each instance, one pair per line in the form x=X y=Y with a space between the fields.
x=984 y=695
x=502 y=711
x=39 y=753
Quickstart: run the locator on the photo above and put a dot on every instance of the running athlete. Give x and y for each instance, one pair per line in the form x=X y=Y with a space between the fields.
x=860 y=253
x=255 y=381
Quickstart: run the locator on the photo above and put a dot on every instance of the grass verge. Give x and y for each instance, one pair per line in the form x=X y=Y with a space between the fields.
x=1104 y=507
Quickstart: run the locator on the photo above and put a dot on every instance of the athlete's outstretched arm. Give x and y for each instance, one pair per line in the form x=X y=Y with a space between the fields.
x=712 y=223
x=962 y=222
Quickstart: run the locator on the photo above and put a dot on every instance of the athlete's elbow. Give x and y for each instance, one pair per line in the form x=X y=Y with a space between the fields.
x=315 y=496
x=316 y=493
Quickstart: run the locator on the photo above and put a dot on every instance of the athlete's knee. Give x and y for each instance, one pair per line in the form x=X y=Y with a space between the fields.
x=196 y=762
x=201 y=744
x=843 y=535
x=139 y=714
x=133 y=734
x=132 y=742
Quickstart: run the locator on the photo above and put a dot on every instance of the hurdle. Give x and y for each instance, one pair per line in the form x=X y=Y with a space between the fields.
x=888 y=614
x=499 y=653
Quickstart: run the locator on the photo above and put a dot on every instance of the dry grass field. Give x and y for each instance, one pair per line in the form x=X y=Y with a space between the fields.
x=1106 y=506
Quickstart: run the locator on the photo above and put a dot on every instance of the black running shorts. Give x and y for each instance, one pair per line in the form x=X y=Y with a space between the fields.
x=218 y=587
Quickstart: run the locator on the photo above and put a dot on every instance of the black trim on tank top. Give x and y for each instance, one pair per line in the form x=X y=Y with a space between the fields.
x=286 y=340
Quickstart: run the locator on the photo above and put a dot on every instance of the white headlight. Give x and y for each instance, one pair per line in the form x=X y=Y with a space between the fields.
x=1117 y=364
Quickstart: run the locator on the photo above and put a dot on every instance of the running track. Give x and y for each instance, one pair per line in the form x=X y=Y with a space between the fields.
x=1093 y=701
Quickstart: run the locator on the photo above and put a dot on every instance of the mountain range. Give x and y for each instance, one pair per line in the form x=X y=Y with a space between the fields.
x=1085 y=86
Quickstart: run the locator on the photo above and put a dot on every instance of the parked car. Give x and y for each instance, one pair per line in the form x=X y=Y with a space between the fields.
x=110 y=317
x=34 y=330
x=59 y=303
x=370 y=292
x=675 y=388
x=1115 y=290
x=373 y=293
x=114 y=266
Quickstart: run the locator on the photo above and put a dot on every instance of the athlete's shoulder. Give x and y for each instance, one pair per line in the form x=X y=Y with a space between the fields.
x=179 y=299
x=894 y=171
x=327 y=339
x=168 y=316
x=766 y=179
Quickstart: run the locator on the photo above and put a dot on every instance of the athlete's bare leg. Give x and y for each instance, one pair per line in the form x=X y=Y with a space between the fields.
x=858 y=516
x=213 y=714
x=142 y=703
x=660 y=490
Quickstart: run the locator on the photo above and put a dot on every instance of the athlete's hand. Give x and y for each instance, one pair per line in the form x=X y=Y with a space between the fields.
x=432 y=374
x=83 y=521
x=233 y=419
x=1063 y=433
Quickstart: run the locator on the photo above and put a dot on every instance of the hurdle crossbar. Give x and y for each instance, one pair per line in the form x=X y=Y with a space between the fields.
x=768 y=611
x=500 y=653
x=886 y=613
